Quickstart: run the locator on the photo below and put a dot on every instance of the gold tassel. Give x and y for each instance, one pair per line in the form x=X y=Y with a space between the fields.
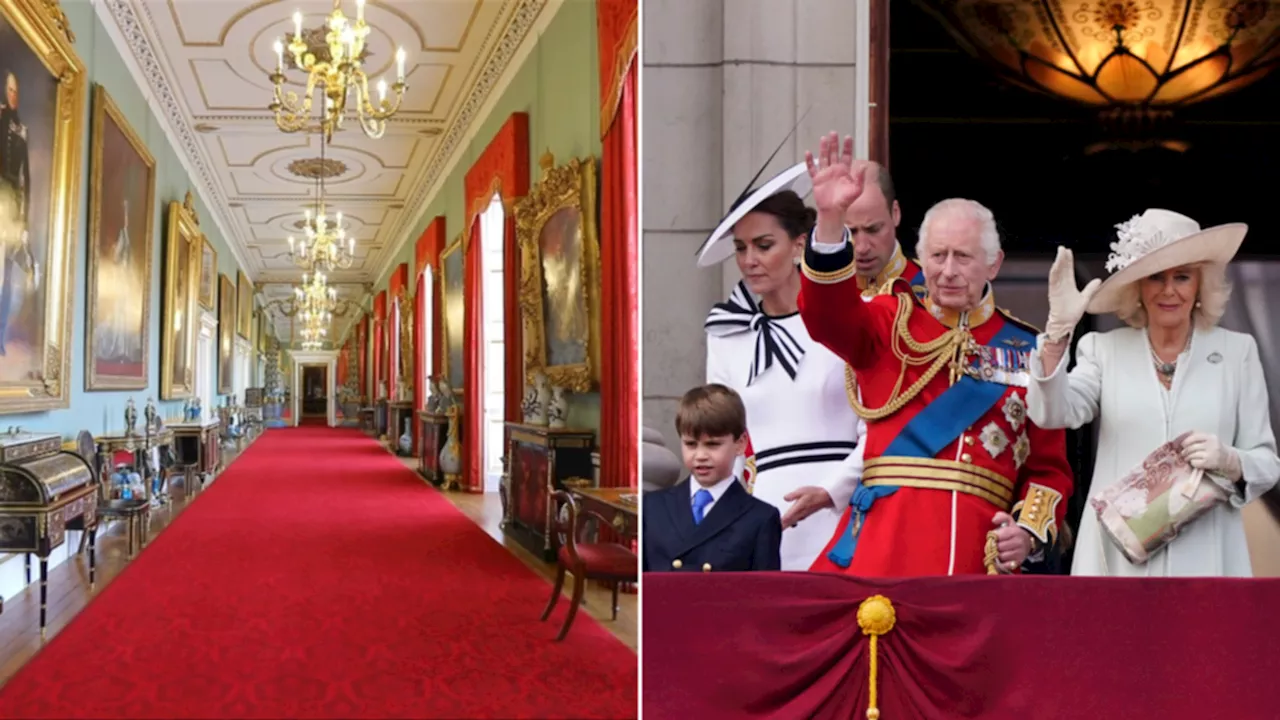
x=876 y=617
x=991 y=554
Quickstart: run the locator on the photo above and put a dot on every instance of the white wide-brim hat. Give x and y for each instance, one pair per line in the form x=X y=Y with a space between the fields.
x=1158 y=240
x=718 y=247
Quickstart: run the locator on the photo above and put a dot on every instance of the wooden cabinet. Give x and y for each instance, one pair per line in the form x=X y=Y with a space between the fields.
x=197 y=450
x=398 y=413
x=541 y=460
x=434 y=431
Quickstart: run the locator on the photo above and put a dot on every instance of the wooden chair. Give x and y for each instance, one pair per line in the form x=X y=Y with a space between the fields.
x=610 y=563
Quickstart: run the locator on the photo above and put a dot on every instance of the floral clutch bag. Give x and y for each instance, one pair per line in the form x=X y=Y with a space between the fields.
x=1145 y=510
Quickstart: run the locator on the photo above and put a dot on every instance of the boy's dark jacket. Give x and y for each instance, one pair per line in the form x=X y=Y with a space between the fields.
x=739 y=533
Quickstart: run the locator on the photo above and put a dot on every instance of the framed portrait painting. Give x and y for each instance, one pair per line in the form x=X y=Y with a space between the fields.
x=226 y=335
x=208 y=276
x=451 y=271
x=244 y=305
x=121 y=206
x=41 y=159
x=179 y=330
x=560 y=275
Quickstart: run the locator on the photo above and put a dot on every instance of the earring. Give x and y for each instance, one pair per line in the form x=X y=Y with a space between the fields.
x=1197 y=303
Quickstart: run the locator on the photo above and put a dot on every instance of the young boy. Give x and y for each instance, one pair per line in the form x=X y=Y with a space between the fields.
x=708 y=521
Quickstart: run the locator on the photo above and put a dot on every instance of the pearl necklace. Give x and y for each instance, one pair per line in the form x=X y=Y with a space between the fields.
x=1166 y=369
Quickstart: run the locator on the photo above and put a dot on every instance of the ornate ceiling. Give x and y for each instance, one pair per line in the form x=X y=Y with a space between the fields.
x=205 y=65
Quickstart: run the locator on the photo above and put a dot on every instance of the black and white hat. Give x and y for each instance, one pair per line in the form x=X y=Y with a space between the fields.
x=718 y=247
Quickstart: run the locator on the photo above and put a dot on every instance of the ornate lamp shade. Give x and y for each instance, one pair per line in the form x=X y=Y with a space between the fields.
x=1121 y=54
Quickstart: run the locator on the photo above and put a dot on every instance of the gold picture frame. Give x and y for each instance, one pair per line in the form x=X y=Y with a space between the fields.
x=244 y=305
x=561 y=323
x=452 y=267
x=405 y=302
x=208 y=276
x=181 y=283
x=228 y=296
x=126 y=310
x=41 y=221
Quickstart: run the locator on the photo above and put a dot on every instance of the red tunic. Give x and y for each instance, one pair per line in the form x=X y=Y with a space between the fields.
x=998 y=461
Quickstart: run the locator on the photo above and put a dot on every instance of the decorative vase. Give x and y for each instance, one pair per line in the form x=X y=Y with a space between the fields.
x=451 y=454
x=406 y=440
x=529 y=407
x=558 y=408
x=541 y=399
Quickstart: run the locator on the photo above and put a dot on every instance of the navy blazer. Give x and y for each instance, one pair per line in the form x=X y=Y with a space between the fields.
x=740 y=532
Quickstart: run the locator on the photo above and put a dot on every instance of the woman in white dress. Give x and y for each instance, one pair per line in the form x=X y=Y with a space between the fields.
x=1173 y=371
x=801 y=427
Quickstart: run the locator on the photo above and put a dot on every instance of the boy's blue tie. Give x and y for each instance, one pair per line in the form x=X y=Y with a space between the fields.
x=701 y=500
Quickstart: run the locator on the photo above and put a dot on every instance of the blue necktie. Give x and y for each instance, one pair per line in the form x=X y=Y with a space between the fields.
x=701 y=500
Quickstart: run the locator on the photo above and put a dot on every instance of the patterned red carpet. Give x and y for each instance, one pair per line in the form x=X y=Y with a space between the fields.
x=319 y=578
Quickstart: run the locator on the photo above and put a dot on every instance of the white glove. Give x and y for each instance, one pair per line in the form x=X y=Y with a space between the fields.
x=1066 y=303
x=1207 y=452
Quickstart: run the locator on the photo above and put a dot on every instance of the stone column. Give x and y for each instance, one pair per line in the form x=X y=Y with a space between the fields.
x=724 y=81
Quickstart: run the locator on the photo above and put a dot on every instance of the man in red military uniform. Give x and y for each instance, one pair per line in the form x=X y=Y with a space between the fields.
x=957 y=479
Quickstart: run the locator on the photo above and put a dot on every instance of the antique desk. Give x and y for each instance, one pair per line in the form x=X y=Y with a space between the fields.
x=44 y=491
x=196 y=447
x=620 y=506
x=434 y=431
x=541 y=460
x=399 y=413
x=140 y=445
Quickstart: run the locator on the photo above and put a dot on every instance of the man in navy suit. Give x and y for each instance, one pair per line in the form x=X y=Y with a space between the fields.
x=708 y=521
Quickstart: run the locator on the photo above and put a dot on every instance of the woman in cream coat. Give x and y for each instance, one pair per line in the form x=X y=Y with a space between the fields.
x=1173 y=371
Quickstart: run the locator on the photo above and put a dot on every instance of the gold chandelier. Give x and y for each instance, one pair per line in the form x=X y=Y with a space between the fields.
x=314 y=299
x=313 y=334
x=325 y=245
x=333 y=62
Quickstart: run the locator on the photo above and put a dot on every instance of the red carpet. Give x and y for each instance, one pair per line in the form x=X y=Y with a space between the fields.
x=320 y=578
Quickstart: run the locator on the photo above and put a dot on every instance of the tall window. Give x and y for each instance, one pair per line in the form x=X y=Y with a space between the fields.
x=426 y=293
x=492 y=224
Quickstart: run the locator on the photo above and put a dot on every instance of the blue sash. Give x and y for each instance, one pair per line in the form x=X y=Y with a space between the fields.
x=917 y=284
x=936 y=426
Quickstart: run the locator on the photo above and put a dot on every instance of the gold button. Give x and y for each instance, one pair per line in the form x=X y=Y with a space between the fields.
x=1031 y=516
x=968 y=439
x=706 y=567
x=967 y=458
x=677 y=564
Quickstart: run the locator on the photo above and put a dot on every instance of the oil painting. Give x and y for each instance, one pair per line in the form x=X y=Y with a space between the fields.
x=182 y=271
x=121 y=205
x=451 y=268
x=560 y=275
x=226 y=335
x=41 y=149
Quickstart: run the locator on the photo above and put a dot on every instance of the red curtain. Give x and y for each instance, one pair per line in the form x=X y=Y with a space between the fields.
x=619 y=247
x=362 y=357
x=790 y=645
x=397 y=285
x=473 y=362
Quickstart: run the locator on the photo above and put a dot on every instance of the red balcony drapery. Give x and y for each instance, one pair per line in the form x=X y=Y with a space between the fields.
x=788 y=645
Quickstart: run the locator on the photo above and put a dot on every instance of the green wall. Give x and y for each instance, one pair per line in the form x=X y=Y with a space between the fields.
x=558 y=86
x=105 y=66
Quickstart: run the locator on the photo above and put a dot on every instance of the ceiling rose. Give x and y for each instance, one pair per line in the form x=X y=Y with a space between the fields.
x=316 y=168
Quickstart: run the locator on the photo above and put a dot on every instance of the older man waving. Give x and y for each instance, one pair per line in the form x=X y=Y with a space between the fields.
x=957 y=479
